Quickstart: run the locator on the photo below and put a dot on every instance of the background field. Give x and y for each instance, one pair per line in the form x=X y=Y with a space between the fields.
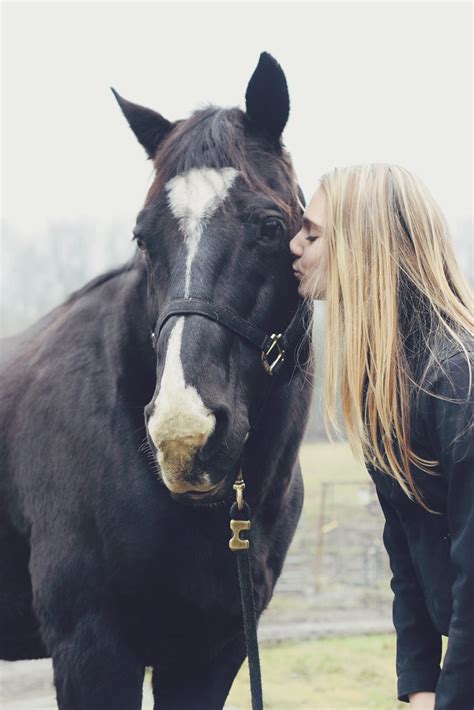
x=340 y=673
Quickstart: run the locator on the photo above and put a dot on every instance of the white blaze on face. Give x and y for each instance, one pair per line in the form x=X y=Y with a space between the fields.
x=181 y=423
x=193 y=199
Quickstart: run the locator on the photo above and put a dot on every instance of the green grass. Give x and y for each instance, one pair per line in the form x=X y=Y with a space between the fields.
x=338 y=673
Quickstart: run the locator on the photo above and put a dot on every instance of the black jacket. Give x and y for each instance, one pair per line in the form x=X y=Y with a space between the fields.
x=432 y=556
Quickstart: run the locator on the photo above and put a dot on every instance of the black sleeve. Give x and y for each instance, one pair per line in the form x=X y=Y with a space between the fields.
x=449 y=425
x=418 y=642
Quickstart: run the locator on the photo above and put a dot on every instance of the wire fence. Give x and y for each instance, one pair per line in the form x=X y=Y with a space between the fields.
x=336 y=577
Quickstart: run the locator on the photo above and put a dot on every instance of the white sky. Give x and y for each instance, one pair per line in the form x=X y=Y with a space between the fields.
x=369 y=82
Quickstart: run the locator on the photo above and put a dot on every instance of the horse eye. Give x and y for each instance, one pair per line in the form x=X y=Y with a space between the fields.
x=271 y=227
x=140 y=244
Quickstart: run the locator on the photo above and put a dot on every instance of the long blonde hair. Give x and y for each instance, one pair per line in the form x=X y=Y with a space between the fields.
x=385 y=236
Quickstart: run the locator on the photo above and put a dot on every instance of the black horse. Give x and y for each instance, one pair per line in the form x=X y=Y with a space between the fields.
x=114 y=529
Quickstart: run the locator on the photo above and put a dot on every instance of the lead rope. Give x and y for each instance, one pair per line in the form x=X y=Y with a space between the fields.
x=240 y=521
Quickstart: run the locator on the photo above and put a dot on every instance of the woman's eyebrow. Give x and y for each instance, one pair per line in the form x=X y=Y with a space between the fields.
x=310 y=223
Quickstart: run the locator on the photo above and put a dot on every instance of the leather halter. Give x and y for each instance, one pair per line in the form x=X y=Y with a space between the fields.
x=274 y=348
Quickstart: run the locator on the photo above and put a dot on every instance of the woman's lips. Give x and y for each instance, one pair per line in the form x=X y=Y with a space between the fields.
x=297 y=274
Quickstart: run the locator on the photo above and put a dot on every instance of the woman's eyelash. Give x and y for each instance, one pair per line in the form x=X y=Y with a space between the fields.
x=311 y=239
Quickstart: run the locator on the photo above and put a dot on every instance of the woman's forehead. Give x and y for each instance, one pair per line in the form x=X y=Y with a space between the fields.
x=315 y=211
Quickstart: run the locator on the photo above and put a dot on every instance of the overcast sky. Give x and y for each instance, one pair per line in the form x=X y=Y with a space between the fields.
x=369 y=82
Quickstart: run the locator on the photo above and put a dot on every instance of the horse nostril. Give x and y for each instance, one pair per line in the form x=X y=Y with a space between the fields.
x=148 y=410
x=222 y=415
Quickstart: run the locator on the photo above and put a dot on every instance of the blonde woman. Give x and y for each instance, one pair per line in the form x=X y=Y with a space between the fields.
x=399 y=349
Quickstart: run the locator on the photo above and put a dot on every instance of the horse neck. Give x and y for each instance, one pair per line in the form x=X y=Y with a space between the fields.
x=130 y=349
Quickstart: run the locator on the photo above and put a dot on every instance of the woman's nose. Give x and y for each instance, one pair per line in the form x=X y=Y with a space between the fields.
x=295 y=246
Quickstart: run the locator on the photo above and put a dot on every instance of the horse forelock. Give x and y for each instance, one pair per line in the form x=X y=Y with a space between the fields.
x=220 y=138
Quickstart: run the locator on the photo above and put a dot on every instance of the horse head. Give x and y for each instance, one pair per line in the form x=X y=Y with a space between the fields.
x=215 y=227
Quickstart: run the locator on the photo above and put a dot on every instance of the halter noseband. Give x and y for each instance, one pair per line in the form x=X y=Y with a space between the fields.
x=273 y=348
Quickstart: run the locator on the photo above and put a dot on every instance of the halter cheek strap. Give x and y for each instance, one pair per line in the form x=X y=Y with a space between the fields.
x=274 y=348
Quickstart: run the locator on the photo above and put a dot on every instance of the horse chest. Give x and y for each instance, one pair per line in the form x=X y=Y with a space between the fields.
x=183 y=573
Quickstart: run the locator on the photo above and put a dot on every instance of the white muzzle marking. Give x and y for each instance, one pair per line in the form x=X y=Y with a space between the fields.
x=181 y=423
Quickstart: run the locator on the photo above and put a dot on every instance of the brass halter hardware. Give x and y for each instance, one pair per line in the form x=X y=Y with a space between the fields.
x=236 y=542
x=280 y=356
x=237 y=526
x=238 y=487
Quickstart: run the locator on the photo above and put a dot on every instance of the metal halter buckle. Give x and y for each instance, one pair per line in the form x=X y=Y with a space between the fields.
x=236 y=543
x=280 y=357
x=239 y=487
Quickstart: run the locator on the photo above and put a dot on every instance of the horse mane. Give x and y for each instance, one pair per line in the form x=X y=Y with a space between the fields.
x=133 y=263
x=216 y=137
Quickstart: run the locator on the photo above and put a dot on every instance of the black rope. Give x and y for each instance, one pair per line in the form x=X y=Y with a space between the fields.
x=249 y=613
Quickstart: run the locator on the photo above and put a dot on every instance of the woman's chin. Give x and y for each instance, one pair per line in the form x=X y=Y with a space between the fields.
x=302 y=290
x=317 y=293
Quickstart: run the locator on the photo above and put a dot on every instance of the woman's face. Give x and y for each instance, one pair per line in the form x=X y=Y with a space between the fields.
x=309 y=249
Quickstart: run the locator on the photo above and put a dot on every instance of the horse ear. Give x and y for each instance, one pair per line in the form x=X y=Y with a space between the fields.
x=267 y=99
x=301 y=197
x=149 y=126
